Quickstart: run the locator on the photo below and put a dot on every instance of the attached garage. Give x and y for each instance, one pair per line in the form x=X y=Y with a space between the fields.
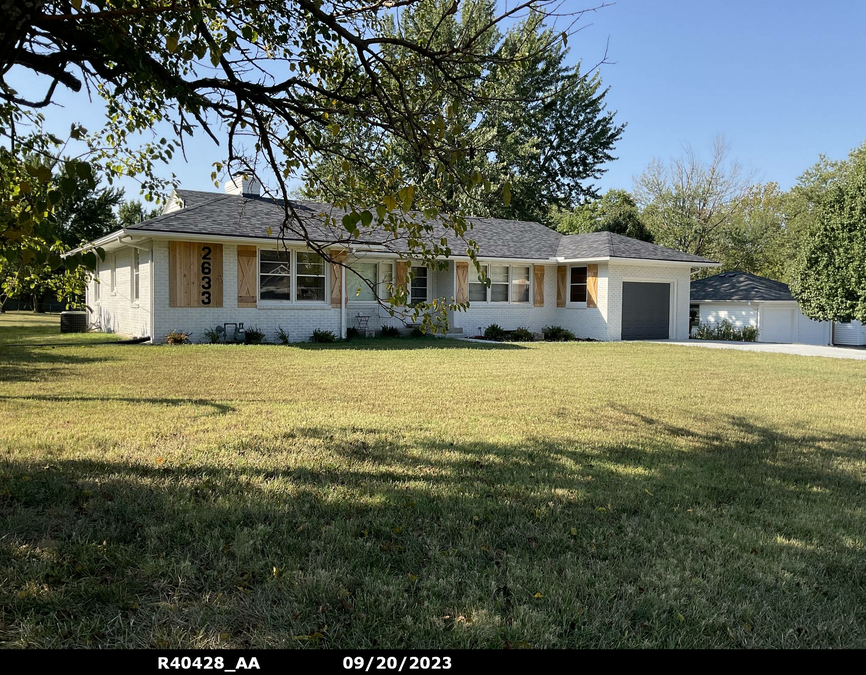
x=646 y=311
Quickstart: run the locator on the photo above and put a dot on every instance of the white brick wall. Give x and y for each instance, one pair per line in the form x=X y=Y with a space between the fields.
x=300 y=322
x=582 y=321
x=680 y=276
x=116 y=312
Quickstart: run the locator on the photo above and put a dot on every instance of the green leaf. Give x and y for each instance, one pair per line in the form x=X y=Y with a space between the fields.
x=506 y=194
x=171 y=42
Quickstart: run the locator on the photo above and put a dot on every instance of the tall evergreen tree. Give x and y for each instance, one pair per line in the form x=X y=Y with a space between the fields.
x=546 y=139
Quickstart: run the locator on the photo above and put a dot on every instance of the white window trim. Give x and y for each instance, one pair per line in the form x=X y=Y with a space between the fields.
x=500 y=303
x=97 y=291
x=133 y=299
x=380 y=281
x=429 y=285
x=293 y=283
x=114 y=273
x=568 y=302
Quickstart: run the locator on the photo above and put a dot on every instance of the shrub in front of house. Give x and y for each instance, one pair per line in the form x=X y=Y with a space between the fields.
x=282 y=335
x=214 y=334
x=323 y=336
x=417 y=332
x=495 y=332
x=390 y=332
x=177 y=337
x=352 y=333
x=557 y=334
x=521 y=335
x=725 y=330
x=253 y=336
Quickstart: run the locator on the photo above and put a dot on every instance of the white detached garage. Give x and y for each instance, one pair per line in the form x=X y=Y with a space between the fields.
x=745 y=299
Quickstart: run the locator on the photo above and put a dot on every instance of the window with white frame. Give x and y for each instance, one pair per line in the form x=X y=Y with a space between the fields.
x=577 y=285
x=275 y=275
x=499 y=280
x=478 y=289
x=361 y=281
x=310 y=277
x=280 y=271
x=508 y=284
x=114 y=272
x=363 y=275
x=136 y=275
x=419 y=286
x=520 y=280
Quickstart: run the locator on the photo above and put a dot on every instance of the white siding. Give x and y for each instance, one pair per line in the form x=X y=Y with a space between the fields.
x=853 y=333
x=738 y=314
x=775 y=321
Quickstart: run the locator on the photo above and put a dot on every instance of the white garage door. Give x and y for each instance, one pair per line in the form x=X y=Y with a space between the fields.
x=777 y=324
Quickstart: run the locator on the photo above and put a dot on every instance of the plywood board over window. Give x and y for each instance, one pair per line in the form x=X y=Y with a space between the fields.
x=247 y=276
x=195 y=274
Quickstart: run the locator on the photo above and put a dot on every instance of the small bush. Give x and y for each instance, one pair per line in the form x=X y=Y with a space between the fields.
x=214 y=334
x=282 y=335
x=750 y=334
x=352 y=333
x=557 y=334
x=495 y=332
x=253 y=336
x=177 y=337
x=522 y=335
x=725 y=330
x=323 y=336
x=390 y=332
x=417 y=332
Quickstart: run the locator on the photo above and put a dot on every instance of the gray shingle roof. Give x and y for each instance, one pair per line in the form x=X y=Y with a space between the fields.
x=211 y=213
x=610 y=245
x=740 y=286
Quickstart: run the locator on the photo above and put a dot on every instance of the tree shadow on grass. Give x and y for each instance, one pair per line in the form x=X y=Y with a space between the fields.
x=406 y=343
x=215 y=407
x=749 y=536
x=29 y=364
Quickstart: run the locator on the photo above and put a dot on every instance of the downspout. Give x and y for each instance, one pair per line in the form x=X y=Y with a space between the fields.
x=152 y=298
x=343 y=304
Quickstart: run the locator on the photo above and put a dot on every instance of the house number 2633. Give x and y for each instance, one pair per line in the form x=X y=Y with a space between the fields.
x=206 y=281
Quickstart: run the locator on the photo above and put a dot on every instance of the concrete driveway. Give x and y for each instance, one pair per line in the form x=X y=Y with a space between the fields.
x=777 y=348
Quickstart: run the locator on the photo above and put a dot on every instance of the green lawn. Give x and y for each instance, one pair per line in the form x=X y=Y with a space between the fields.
x=428 y=493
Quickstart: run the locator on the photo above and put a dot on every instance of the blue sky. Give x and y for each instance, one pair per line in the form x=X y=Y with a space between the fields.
x=783 y=80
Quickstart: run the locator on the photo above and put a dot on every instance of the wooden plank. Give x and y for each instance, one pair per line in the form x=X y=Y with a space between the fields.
x=592 y=285
x=337 y=280
x=173 y=271
x=561 y=285
x=247 y=259
x=538 y=290
x=461 y=294
x=187 y=280
x=217 y=276
x=402 y=272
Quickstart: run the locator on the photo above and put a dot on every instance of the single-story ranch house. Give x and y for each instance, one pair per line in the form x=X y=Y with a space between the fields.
x=745 y=299
x=211 y=259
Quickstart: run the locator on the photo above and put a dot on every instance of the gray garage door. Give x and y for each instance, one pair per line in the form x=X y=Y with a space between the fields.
x=646 y=311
